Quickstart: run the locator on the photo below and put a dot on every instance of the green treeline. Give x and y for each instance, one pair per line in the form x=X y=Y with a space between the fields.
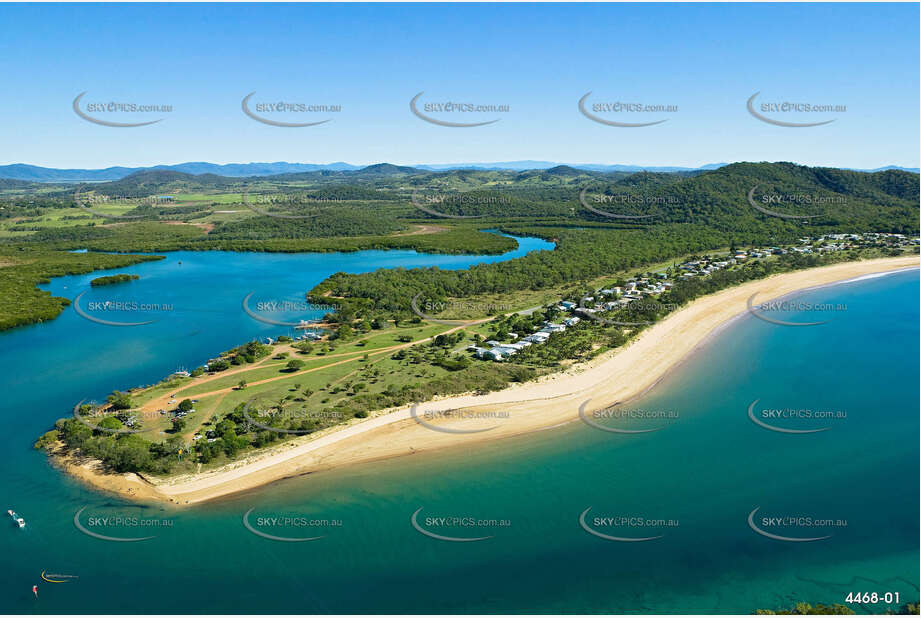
x=21 y=302
x=112 y=279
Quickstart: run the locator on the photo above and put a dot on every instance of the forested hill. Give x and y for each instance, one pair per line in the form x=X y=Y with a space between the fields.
x=830 y=197
x=689 y=214
x=151 y=182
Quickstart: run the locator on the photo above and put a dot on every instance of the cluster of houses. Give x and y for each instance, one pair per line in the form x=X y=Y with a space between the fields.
x=808 y=245
x=638 y=288
x=499 y=351
x=839 y=242
x=616 y=297
x=708 y=265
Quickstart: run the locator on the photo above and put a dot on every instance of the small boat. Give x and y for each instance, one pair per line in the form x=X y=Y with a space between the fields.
x=19 y=520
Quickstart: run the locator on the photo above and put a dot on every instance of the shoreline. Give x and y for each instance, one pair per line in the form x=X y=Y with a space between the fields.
x=616 y=376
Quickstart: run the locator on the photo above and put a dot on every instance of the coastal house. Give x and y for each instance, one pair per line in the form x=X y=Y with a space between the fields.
x=479 y=352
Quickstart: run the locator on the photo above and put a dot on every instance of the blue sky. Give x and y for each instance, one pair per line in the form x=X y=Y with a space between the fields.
x=539 y=59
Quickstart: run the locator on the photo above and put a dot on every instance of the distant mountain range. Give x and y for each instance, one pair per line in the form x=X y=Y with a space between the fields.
x=519 y=166
x=35 y=173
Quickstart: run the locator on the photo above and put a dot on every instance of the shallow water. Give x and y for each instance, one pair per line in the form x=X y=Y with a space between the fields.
x=706 y=470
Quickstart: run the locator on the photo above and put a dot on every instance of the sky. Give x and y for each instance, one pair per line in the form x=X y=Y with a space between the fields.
x=539 y=60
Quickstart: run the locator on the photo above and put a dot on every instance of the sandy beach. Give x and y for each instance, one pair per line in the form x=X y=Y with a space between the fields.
x=616 y=376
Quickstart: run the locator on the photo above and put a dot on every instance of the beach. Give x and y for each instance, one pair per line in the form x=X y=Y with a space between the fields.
x=614 y=377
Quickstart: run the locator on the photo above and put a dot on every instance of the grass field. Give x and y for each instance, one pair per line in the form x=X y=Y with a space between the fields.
x=330 y=373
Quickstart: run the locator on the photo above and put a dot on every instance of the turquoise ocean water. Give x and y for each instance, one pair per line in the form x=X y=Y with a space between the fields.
x=702 y=473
